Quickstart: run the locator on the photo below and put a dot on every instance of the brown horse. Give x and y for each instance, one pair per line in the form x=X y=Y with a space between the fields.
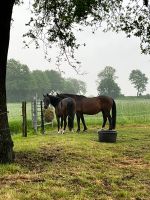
x=94 y=105
x=63 y=108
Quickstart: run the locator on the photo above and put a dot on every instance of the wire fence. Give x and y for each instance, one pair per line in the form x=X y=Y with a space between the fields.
x=128 y=112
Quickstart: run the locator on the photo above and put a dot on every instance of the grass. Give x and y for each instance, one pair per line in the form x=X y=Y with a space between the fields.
x=78 y=167
x=133 y=111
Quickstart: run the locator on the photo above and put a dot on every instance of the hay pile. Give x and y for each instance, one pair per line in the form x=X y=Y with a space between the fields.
x=49 y=114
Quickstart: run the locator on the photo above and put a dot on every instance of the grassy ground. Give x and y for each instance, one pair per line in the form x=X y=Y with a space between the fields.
x=77 y=167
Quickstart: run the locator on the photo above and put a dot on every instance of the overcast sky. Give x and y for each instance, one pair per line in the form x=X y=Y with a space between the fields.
x=101 y=50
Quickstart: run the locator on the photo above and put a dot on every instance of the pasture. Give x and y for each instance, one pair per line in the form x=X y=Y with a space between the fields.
x=75 y=166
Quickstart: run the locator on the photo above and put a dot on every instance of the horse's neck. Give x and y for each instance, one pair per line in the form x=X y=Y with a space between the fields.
x=59 y=106
x=55 y=102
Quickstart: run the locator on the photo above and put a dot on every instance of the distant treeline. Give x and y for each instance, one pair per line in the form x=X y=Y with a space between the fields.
x=141 y=97
x=22 y=84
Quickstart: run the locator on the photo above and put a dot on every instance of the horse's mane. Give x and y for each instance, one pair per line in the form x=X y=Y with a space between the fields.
x=73 y=95
x=54 y=100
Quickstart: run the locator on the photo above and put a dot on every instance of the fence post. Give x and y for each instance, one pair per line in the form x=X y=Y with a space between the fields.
x=24 y=116
x=42 y=118
x=35 y=114
x=37 y=107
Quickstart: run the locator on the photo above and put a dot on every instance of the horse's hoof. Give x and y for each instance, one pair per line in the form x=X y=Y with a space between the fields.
x=85 y=130
x=62 y=132
x=71 y=130
x=78 y=131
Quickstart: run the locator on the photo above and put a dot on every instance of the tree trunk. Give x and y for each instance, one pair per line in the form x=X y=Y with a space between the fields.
x=6 y=143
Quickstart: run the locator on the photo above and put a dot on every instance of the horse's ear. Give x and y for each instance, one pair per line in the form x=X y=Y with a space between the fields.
x=43 y=95
x=47 y=94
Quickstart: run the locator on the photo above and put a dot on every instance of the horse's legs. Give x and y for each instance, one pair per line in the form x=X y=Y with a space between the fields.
x=58 y=123
x=61 y=123
x=65 y=123
x=83 y=122
x=78 y=121
x=110 y=121
x=104 y=119
x=107 y=115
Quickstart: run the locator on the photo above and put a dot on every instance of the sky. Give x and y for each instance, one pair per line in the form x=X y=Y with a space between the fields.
x=101 y=50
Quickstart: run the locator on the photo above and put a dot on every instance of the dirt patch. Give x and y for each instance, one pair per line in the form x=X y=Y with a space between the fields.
x=34 y=163
x=126 y=162
x=18 y=179
x=38 y=161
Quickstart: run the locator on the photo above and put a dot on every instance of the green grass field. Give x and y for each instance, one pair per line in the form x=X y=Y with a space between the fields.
x=77 y=167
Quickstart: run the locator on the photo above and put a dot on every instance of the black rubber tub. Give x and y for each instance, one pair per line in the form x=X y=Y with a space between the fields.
x=107 y=136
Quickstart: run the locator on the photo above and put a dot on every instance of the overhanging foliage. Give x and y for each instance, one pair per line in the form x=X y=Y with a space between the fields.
x=54 y=22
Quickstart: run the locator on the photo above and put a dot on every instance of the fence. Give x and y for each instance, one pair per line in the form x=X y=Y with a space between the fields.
x=36 y=113
x=26 y=115
x=128 y=112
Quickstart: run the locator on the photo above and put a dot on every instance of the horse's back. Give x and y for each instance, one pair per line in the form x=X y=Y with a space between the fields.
x=90 y=105
x=106 y=101
x=94 y=105
x=67 y=100
x=65 y=103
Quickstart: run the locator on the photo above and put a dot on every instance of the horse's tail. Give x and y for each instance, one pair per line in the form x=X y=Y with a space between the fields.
x=71 y=114
x=113 y=115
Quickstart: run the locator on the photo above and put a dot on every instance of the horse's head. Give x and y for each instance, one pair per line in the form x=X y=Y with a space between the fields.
x=46 y=101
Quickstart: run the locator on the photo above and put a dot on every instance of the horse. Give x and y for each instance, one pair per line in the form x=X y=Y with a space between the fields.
x=94 y=105
x=64 y=108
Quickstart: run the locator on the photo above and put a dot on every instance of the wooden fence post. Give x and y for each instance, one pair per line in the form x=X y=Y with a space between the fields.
x=24 y=116
x=36 y=108
x=42 y=118
x=34 y=113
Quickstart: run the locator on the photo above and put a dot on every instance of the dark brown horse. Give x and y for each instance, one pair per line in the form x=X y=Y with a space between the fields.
x=63 y=108
x=94 y=105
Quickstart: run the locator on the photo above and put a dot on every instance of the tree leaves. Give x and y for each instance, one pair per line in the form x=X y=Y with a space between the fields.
x=106 y=83
x=139 y=80
x=54 y=22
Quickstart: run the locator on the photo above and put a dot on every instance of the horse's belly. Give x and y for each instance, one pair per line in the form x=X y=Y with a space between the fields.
x=91 y=111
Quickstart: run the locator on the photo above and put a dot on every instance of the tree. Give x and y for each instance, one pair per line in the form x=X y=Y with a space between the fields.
x=37 y=82
x=106 y=83
x=6 y=143
x=18 y=73
x=108 y=72
x=40 y=83
x=53 y=22
x=139 y=80
x=56 y=81
x=74 y=86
